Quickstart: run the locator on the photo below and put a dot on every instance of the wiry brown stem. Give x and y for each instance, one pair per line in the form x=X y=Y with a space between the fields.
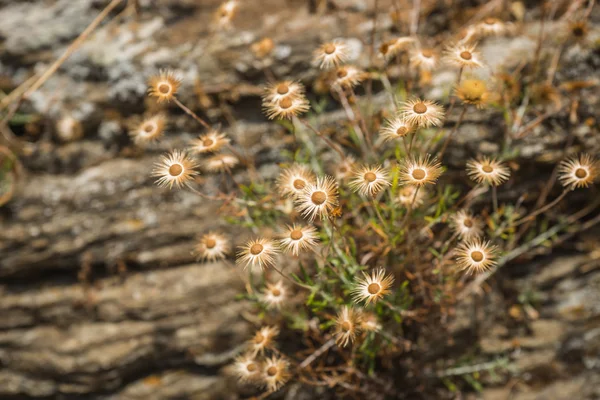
x=191 y=113
x=543 y=209
x=454 y=130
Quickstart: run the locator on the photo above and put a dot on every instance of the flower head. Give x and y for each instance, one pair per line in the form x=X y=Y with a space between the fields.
x=369 y=180
x=224 y=15
x=394 y=46
x=420 y=171
x=344 y=169
x=369 y=322
x=247 y=368
x=348 y=76
x=476 y=256
x=280 y=90
x=331 y=54
x=220 y=163
x=274 y=294
x=209 y=143
x=409 y=194
x=149 y=130
x=578 y=172
x=175 y=169
x=263 y=48
x=164 y=86
x=258 y=252
x=472 y=91
x=292 y=181
x=466 y=225
x=263 y=339
x=491 y=26
x=487 y=170
x=318 y=198
x=396 y=128
x=372 y=287
x=275 y=373
x=423 y=113
x=463 y=55
x=424 y=59
x=298 y=238
x=212 y=246
x=286 y=107
x=346 y=326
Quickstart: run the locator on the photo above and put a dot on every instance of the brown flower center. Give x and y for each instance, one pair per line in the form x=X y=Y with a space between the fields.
x=319 y=197
x=256 y=249
x=401 y=131
x=299 y=184
x=578 y=31
x=251 y=367
x=296 y=234
x=374 y=288
x=580 y=173
x=285 y=103
x=383 y=49
x=427 y=53
x=419 y=174
x=329 y=48
x=259 y=338
x=164 y=88
x=477 y=256
x=207 y=142
x=175 y=169
x=283 y=88
x=343 y=169
x=272 y=371
x=346 y=325
x=466 y=55
x=468 y=223
x=487 y=169
x=370 y=177
x=210 y=243
x=148 y=128
x=420 y=108
x=341 y=73
x=276 y=292
x=490 y=20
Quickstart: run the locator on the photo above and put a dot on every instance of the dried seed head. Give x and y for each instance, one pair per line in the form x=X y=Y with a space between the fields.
x=476 y=256
x=212 y=246
x=348 y=76
x=293 y=180
x=275 y=373
x=373 y=287
x=209 y=143
x=472 y=91
x=286 y=107
x=346 y=326
x=578 y=172
x=247 y=368
x=263 y=339
x=396 y=128
x=422 y=113
x=259 y=252
x=393 y=47
x=463 y=55
x=297 y=237
x=424 y=59
x=220 y=163
x=319 y=198
x=487 y=170
x=466 y=226
x=491 y=26
x=408 y=193
x=175 y=169
x=369 y=180
x=283 y=90
x=331 y=54
x=275 y=294
x=344 y=169
x=263 y=48
x=164 y=86
x=420 y=171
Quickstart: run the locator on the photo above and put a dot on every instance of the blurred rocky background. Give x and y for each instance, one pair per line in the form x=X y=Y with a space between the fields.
x=100 y=294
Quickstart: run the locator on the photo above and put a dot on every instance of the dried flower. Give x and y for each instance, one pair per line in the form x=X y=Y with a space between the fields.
x=281 y=90
x=298 y=238
x=373 y=287
x=274 y=294
x=476 y=256
x=220 y=163
x=319 y=198
x=286 y=107
x=275 y=373
x=466 y=225
x=348 y=76
x=396 y=128
x=491 y=27
x=369 y=322
x=463 y=55
x=331 y=54
x=409 y=194
x=175 y=169
x=472 y=91
x=424 y=59
x=149 y=130
x=293 y=180
x=392 y=47
x=212 y=246
x=69 y=129
x=247 y=368
x=578 y=172
x=487 y=170
x=258 y=252
x=344 y=169
x=370 y=180
x=263 y=339
x=263 y=48
x=578 y=30
x=346 y=326
x=423 y=113
x=420 y=171
x=209 y=143
x=164 y=86
x=225 y=13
